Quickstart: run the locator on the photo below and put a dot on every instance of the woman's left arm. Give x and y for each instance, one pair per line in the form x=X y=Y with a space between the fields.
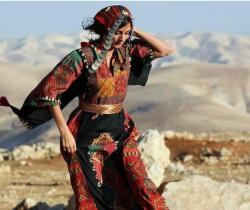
x=160 y=48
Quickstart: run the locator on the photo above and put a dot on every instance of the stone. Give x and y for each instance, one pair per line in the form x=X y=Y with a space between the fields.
x=5 y=169
x=200 y=192
x=211 y=160
x=26 y=204
x=30 y=204
x=225 y=152
x=22 y=152
x=188 y=158
x=155 y=154
x=1 y=157
x=168 y=134
x=71 y=203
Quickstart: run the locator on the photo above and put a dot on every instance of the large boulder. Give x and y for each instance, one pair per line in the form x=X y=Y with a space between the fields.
x=200 y=192
x=155 y=155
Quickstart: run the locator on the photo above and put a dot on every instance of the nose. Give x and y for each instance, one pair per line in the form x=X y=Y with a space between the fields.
x=122 y=37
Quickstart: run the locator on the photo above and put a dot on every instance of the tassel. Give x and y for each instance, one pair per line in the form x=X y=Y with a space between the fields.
x=4 y=101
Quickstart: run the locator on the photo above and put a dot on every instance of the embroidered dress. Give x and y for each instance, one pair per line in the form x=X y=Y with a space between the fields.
x=106 y=171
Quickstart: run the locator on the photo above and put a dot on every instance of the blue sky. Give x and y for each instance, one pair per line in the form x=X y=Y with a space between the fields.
x=18 y=19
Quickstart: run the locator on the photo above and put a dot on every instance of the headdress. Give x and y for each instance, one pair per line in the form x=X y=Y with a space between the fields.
x=110 y=18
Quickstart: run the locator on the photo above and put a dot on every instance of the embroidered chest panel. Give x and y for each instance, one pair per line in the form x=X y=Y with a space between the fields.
x=109 y=86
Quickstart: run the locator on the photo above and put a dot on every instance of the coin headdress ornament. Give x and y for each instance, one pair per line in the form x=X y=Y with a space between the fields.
x=111 y=18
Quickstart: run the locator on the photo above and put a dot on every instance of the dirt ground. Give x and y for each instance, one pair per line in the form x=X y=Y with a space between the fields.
x=48 y=181
x=42 y=180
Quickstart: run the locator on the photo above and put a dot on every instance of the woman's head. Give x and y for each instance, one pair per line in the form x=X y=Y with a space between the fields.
x=122 y=34
x=105 y=19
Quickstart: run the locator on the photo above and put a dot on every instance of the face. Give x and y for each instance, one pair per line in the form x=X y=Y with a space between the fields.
x=121 y=36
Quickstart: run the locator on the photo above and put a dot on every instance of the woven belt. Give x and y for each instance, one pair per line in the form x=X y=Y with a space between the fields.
x=101 y=108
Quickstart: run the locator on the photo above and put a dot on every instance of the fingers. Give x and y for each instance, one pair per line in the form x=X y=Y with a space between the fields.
x=69 y=147
x=72 y=148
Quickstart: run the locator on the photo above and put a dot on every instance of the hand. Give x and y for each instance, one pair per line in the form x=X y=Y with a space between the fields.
x=67 y=142
x=134 y=32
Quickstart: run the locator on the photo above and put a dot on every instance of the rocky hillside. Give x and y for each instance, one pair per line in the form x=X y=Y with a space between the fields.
x=216 y=48
x=186 y=168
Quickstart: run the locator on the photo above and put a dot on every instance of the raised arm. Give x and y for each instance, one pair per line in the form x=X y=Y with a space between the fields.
x=161 y=48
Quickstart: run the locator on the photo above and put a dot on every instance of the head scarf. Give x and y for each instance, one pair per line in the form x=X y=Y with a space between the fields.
x=108 y=15
x=111 y=18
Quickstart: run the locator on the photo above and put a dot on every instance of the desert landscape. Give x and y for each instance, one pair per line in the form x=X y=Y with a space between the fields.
x=193 y=116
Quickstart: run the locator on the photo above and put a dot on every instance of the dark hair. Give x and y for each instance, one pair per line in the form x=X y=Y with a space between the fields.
x=99 y=29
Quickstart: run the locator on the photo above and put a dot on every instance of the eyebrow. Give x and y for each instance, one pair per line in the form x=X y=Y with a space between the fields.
x=125 y=31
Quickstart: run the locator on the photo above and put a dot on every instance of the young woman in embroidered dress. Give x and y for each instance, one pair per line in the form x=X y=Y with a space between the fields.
x=98 y=142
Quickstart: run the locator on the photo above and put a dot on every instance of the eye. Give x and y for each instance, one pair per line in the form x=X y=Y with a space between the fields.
x=117 y=33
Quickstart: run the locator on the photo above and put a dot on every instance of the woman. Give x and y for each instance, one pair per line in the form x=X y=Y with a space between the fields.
x=98 y=142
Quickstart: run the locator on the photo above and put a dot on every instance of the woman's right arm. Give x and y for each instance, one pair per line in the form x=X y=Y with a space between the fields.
x=67 y=141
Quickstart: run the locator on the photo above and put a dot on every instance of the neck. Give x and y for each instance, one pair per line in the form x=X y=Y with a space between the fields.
x=110 y=52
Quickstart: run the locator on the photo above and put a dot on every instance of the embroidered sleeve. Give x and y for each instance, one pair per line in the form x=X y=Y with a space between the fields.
x=141 y=58
x=48 y=92
x=141 y=50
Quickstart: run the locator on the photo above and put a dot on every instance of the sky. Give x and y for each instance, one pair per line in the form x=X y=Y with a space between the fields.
x=20 y=19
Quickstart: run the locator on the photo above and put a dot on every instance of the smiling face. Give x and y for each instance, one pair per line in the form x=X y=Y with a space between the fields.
x=121 y=36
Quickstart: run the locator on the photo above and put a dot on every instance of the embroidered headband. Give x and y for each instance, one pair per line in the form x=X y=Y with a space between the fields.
x=108 y=15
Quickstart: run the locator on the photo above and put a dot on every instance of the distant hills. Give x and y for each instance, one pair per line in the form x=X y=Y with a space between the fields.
x=215 y=48
x=203 y=87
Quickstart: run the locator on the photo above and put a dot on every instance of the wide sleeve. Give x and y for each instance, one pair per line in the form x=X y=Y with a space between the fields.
x=62 y=84
x=49 y=91
x=141 y=62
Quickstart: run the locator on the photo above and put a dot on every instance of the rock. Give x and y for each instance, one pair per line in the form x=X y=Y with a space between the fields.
x=30 y=204
x=188 y=158
x=26 y=204
x=40 y=150
x=3 y=150
x=200 y=192
x=189 y=136
x=51 y=148
x=206 y=152
x=178 y=135
x=4 y=153
x=71 y=203
x=168 y=134
x=5 y=169
x=1 y=157
x=204 y=136
x=52 y=191
x=225 y=152
x=177 y=167
x=22 y=152
x=67 y=175
x=155 y=154
x=23 y=162
x=211 y=160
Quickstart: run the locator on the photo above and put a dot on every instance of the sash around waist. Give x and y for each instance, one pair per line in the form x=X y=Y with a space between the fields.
x=101 y=108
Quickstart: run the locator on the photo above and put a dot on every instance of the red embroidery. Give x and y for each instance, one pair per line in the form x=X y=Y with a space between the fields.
x=99 y=149
x=145 y=191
